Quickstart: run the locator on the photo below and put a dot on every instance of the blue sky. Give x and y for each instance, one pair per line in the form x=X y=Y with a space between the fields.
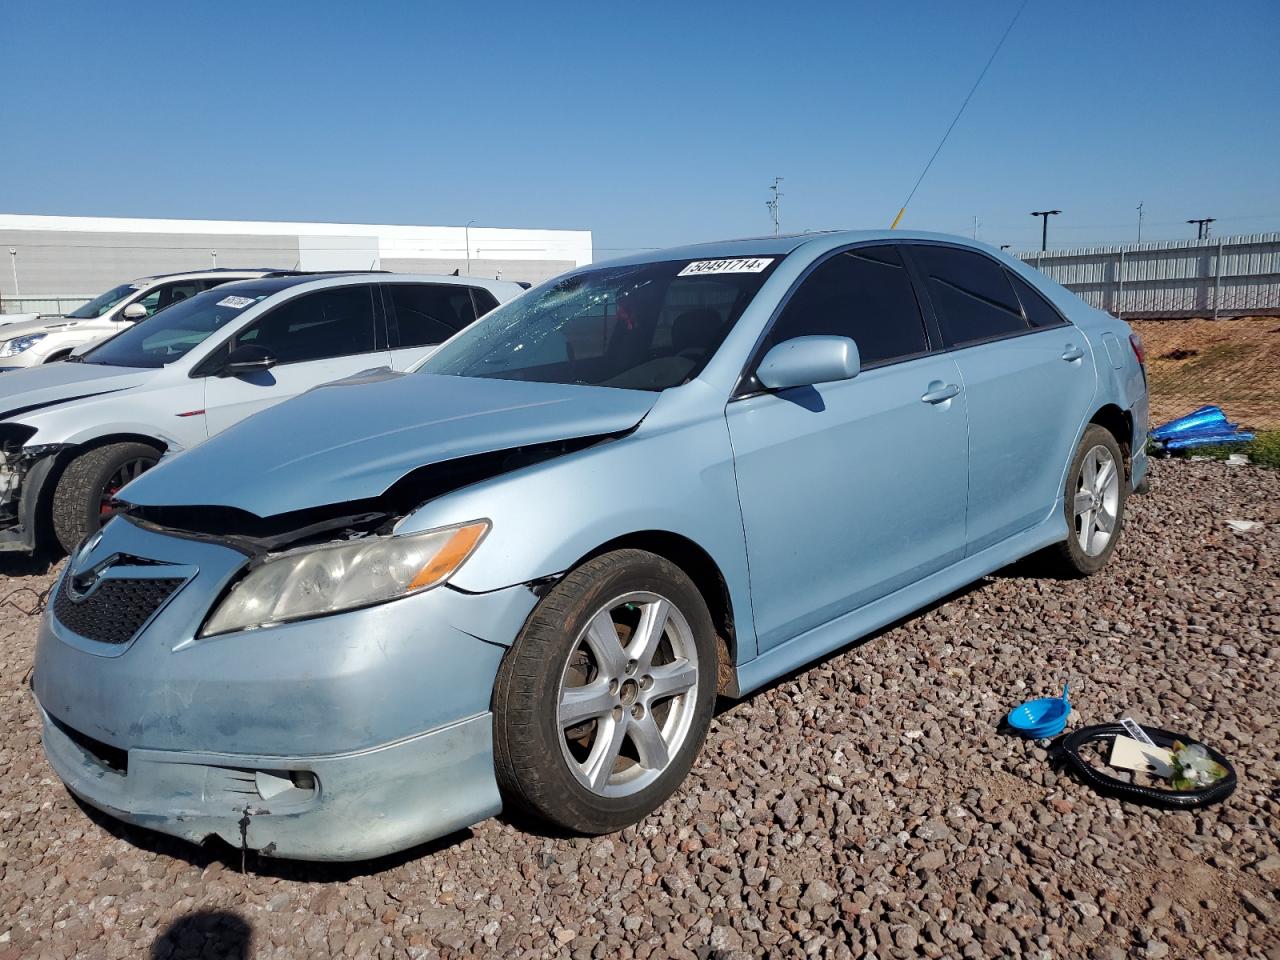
x=649 y=123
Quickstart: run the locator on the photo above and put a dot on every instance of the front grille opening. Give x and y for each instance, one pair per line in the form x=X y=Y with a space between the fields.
x=116 y=610
x=113 y=758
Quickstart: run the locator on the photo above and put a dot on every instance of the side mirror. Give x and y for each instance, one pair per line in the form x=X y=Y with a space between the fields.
x=247 y=358
x=804 y=361
x=134 y=311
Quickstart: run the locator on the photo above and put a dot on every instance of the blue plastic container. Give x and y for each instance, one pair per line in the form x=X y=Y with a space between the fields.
x=1041 y=719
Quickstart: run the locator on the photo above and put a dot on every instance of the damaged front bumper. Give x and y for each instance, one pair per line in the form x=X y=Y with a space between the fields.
x=351 y=806
x=339 y=738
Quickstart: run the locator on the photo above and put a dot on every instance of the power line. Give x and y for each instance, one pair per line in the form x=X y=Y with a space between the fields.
x=956 y=118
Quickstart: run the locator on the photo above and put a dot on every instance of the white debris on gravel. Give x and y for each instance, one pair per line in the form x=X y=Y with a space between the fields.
x=864 y=805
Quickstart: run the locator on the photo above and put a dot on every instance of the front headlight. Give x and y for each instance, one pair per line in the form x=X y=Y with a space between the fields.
x=314 y=581
x=11 y=348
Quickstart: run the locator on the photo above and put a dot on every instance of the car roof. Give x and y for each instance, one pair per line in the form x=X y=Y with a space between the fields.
x=782 y=245
x=276 y=282
x=215 y=271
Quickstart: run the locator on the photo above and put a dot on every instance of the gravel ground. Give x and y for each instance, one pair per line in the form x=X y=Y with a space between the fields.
x=865 y=805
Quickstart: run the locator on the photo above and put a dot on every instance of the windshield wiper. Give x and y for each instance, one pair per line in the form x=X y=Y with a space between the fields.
x=74 y=358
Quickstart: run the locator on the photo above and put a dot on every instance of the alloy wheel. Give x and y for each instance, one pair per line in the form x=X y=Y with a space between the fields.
x=126 y=472
x=628 y=694
x=1097 y=500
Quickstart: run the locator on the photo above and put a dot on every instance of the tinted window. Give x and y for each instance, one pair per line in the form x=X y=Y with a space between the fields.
x=337 y=322
x=864 y=294
x=1039 y=311
x=645 y=326
x=971 y=295
x=484 y=301
x=427 y=314
x=166 y=295
x=210 y=282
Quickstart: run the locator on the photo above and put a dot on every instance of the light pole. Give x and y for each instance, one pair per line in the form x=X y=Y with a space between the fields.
x=1044 y=230
x=467 y=229
x=774 y=212
x=1140 y=221
x=1202 y=227
x=13 y=258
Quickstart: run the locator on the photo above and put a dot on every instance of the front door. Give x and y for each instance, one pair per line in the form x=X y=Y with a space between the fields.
x=317 y=337
x=850 y=490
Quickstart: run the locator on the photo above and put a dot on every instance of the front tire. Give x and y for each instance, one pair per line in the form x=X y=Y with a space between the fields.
x=1093 y=501
x=605 y=698
x=81 y=498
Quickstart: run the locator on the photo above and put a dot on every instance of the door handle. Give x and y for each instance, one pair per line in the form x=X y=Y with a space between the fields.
x=1072 y=353
x=940 y=394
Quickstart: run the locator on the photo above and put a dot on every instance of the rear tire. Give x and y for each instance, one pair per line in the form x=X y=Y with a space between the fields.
x=594 y=728
x=1093 y=501
x=89 y=481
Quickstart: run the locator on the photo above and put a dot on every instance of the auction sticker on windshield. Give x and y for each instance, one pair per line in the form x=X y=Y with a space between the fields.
x=745 y=265
x=238 y=303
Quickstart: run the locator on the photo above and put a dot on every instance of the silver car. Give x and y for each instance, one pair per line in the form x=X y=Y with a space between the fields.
x=520 y=575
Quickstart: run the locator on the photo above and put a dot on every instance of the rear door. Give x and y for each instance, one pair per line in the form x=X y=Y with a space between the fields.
x=316 y=337
x=1028 y=387
x=850 y=490
x=421 y=316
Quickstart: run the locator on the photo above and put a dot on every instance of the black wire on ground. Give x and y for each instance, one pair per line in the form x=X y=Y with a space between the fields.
x=1149 y=796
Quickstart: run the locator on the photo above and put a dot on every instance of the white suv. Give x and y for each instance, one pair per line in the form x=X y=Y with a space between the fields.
x=72 y=434
x=39 y=339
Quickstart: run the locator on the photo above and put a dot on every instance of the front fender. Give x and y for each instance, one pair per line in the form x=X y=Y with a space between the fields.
x=673 y=479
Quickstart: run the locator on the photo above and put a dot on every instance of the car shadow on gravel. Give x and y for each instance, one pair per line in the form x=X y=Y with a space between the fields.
x=205 y=933
x=216 y=850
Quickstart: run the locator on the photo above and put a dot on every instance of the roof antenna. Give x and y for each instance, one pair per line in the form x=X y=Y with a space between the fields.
x=972 y=90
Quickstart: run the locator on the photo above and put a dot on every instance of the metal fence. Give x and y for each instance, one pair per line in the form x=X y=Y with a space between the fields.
x=54 y=305
x=1223 y=277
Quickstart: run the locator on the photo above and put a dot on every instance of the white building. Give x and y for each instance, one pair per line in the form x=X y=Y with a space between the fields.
x=71 y=259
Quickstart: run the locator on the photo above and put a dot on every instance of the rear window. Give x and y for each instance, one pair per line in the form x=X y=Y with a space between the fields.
x=426 y=314
x=971 y=295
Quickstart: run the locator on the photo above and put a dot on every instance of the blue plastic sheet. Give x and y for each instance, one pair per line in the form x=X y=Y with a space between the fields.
x=1196 y=420
x=1205 y=427
x=1207 y=440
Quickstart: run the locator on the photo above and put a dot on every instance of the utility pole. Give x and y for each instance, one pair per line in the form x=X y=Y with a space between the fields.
x=1202 y=227
x=1044 y=230
x=1140 y=221
x=976 y=224
x=467 y=229
x=773 y=204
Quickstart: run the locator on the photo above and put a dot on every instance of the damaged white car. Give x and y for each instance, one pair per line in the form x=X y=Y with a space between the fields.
x=72 y=434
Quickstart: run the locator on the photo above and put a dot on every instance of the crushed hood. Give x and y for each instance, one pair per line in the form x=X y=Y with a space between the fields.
x=34 y=388
x=352 y=439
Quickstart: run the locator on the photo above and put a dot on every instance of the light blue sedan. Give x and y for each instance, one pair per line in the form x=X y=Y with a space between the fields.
x=520 y=575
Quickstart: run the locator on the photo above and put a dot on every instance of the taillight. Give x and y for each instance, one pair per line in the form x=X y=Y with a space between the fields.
x=1139 y=350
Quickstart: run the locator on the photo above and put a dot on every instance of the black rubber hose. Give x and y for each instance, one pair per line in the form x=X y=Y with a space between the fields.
x=1150 y=796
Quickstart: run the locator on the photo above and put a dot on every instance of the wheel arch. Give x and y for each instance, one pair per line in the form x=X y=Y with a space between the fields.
x=1119 y=423
x=706 y=575
x=42 y=509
